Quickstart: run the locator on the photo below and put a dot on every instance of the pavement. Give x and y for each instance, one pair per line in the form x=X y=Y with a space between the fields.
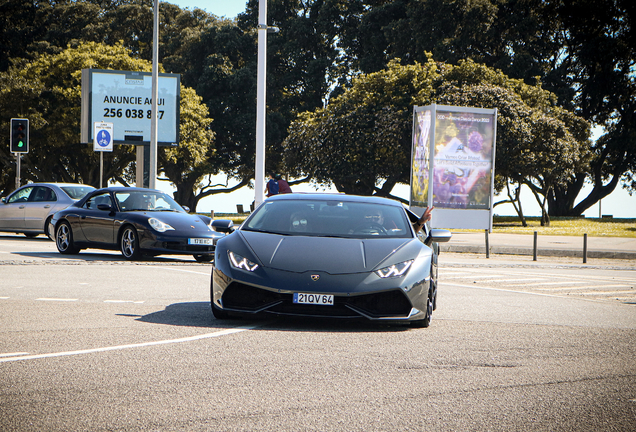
x=621 y=248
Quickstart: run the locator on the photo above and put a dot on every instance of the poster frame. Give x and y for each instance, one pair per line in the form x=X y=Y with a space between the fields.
x=450 y=218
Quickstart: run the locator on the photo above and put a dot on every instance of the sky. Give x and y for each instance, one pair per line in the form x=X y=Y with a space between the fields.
x=220 y=8
x=619 y=204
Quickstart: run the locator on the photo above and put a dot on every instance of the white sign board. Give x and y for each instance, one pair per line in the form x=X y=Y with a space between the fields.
x=103 y=141
x=125 y=99
x=453 y=165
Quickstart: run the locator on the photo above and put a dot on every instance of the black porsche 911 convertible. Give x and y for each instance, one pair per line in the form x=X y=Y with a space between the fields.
x=327 y=255
x=136 y=221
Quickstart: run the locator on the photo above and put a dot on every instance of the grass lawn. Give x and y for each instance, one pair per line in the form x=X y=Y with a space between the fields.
x=594 y=227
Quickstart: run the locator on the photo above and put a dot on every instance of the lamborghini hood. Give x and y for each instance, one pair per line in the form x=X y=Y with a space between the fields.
x=328 y=254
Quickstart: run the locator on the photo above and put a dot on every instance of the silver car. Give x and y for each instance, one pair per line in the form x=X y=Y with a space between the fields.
x=29 y=209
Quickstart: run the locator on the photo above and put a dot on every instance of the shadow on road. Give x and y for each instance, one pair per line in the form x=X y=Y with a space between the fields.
x=199 y=314
x=112 y=257
x=17 y=237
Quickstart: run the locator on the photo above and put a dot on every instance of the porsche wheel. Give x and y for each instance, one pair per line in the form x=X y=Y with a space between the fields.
x=64 y=239
x=129 y=244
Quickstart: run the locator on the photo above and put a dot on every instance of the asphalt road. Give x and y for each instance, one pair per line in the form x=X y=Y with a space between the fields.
x=91 y=342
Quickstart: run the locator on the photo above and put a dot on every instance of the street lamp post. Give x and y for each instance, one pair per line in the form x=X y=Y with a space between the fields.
x=259 y=172
x=152 y=169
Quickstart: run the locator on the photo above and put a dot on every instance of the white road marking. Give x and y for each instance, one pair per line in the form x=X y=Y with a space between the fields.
x=124 y=301
x=510 y=280
x=56 y=299
x=4 y=298
x=605 y=293
x=13 y=354
x=486 y=288
x=225 y=332
x=473 y=276
x=552 y=283
x=600 y=287
x=187 y=271
x=555 y=276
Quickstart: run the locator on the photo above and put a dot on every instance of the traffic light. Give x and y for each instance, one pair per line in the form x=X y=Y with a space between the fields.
x=19 y=135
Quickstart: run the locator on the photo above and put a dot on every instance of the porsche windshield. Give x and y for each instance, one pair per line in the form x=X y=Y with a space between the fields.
x=146 y=201
x=330 y=219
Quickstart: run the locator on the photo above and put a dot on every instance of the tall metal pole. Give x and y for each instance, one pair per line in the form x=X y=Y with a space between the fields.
x=259 y=172
x=152 y=169
x=18 y=156
x=101 y=168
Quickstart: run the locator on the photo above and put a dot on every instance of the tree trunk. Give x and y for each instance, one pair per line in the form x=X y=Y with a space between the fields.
x=562 y=198
x=545 y=218
x=185 y=196
x=516 y=201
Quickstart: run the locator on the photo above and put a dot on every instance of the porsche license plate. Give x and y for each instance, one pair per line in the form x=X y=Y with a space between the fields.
x=316 y=299
x=201 y=241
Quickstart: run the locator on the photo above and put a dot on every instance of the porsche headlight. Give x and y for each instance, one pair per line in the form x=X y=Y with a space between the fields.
x=396 y=270
x=240 y=262
x=157 y=225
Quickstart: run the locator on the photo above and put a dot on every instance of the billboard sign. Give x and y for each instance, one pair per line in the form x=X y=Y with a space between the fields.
x=453 y=165
x=125 y=99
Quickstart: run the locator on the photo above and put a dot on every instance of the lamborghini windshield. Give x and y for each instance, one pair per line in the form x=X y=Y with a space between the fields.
x=330 y=218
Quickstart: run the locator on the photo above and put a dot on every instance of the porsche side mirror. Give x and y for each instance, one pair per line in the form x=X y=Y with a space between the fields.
x=186 y=208
x=223 y=226
x=105 y=207
x=438 y=236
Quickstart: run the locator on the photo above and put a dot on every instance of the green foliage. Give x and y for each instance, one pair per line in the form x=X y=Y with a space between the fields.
x=582 y=51
x=362 y=138
x=186 y=165
x=48 y=92
x=552 y=68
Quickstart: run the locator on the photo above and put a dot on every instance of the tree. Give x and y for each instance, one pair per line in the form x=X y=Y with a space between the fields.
x=186 y=165
x=598 y=65
x=583 y=51
x=363 y=137
x=539 y=144
x=48 y=92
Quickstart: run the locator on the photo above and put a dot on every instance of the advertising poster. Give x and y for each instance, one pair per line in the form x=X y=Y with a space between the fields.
x=463 y=160
x=420 y=164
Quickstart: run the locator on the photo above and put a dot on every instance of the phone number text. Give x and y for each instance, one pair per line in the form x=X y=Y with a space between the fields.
x=130 y=113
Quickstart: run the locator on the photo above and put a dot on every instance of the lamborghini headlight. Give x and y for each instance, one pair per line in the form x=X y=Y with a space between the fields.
x=157 y=225
x=242 y=263
x=395 y=270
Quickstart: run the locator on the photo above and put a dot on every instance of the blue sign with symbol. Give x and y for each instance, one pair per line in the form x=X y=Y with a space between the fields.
x=103 y=138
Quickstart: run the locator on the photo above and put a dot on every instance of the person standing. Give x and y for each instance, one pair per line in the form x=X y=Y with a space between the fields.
x=283 y=186
x=272 y=187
